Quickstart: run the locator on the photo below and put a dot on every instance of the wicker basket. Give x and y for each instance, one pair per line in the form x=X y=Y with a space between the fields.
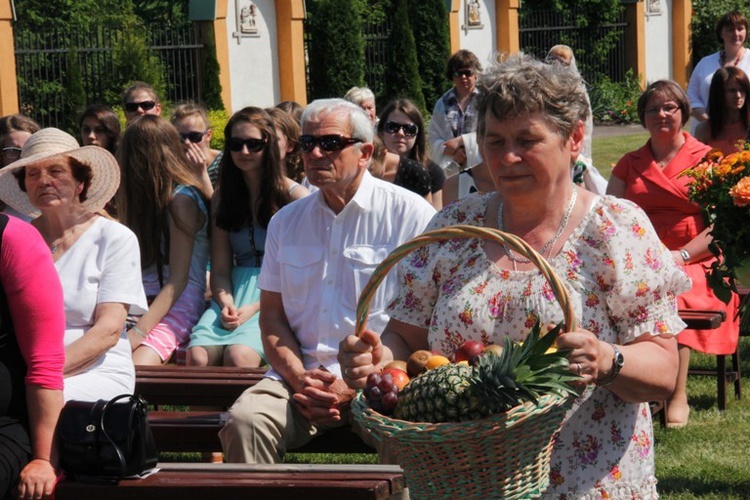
x=505 y=455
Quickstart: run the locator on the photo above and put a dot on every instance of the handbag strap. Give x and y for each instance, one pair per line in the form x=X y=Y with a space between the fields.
x=118 y=451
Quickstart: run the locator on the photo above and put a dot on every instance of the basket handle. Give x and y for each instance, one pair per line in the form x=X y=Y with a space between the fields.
x=463 y=232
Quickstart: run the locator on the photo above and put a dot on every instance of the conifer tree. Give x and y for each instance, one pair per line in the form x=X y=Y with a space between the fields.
x=402 y=71
x=75 y=94
x=429 y=23
x=336 y=49
x=211 y=83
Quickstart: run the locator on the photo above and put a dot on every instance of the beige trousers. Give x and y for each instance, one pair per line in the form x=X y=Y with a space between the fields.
x=264 y=423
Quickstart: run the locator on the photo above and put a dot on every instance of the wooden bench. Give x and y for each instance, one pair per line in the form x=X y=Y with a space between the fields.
x=197 y=431
x=238 y=481
x=709 y=320
x=702 y=320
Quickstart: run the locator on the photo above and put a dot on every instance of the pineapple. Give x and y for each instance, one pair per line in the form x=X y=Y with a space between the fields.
x=457 y=392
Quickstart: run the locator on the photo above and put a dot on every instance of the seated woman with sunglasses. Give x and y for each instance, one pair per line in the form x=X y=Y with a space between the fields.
x=161 y=200
x=253 y=186
x=140 y=99
x=191 y=121
x=452 y=130
x=402 y=129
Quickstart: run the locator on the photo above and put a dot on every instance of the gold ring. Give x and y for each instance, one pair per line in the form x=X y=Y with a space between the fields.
x=579 y=368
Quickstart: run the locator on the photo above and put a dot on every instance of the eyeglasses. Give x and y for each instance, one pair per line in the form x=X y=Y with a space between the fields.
x=668 y=109
x=132 y=107
x=468 y=73
x=410 y=129
x=194 y=137
x=327 y=143
x=12 y=153
x=254 y=145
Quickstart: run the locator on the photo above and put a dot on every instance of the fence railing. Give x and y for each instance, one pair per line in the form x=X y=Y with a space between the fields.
x=44 y=59
x=376 y=40
x=541 y=29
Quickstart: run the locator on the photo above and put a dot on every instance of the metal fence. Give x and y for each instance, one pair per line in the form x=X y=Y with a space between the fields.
x=541 y=29
x=376 y=39
x=45 y=60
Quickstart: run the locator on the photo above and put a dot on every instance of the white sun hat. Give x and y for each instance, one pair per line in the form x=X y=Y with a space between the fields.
x=51 y=143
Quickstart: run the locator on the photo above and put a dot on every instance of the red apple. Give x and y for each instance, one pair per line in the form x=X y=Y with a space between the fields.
x=400 y=377
x=468 y=351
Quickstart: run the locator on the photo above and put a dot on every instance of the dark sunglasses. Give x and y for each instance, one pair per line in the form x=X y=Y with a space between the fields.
x=327 y=143
x=12 y=153
x=468 y=73
x=255 y=145
x=132 y=107
x=194 y=137
x=410 y=129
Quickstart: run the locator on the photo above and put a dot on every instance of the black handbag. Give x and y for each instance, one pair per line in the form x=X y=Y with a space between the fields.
x=106 y=440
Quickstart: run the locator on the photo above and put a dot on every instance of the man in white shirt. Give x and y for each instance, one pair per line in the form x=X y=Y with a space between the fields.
x=320 y=252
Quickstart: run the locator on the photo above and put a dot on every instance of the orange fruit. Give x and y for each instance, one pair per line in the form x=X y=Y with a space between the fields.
x=437 y=360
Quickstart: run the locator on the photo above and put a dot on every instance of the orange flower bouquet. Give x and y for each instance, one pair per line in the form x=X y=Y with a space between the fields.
x=721 y=186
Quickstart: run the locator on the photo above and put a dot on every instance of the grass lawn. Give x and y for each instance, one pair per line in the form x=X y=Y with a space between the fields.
x=607 y=151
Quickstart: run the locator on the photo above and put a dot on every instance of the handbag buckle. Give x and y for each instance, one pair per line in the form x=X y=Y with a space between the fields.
x=90 y=428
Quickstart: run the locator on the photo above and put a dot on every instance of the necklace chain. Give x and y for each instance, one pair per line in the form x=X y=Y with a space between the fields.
x=546 y=250
x=55 y=245
x=723 y=55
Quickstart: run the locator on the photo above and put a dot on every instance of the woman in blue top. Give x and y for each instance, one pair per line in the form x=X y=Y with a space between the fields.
x=161 y=200
x=252 y=187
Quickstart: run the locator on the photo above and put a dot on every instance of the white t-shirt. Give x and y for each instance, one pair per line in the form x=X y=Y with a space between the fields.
x=103 y=265
x=320 y=261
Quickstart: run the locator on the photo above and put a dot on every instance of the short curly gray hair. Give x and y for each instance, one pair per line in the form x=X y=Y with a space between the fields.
x=521 y=84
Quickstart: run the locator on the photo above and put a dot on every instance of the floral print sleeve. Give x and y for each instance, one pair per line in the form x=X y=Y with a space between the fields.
x=422 y=273
x=636 y=272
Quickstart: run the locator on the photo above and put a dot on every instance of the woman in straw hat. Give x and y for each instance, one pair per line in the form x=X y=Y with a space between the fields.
x=161 y=200
x=64 y=187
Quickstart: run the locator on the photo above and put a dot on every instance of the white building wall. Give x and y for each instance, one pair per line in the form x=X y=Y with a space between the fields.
x=481 y=41
x=659 y=44
x=254 y=70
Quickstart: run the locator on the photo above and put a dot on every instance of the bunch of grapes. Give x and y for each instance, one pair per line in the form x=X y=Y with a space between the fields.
x=381 y=393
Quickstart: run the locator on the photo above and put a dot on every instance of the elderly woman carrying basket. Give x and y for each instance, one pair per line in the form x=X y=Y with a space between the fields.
x=621 y=279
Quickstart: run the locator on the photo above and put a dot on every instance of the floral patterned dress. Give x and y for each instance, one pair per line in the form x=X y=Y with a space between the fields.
x=622 y=282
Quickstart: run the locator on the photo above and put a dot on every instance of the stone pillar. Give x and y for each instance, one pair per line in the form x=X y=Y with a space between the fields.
x=290 y=17
x=635 y=39
x=222 y=52
x=8 y=82
x=681 y=67
x=454 y=26
x=506 y=13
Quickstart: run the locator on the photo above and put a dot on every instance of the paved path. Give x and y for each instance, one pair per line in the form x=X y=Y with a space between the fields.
x=617 y=130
